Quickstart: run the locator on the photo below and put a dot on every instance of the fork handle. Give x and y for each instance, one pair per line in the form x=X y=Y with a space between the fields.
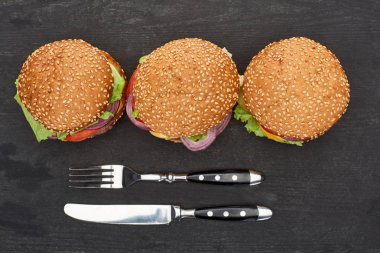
x=168 y=177
x=234 y=176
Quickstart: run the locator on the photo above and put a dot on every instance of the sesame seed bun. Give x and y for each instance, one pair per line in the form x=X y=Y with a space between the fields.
x=66 y=85
x=185 y=87
x=123 y=99
x=296 y=88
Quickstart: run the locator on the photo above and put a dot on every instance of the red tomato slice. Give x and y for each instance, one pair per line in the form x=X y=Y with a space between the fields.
x=81 y=135
x=132 y=81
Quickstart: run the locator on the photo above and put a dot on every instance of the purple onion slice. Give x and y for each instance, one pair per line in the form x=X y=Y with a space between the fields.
x=104 y=122
x=220 y=127
x=202 y=144
x=129 y=108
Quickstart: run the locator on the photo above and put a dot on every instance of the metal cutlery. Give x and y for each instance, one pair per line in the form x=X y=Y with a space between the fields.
x=162 y=214
x=119 y=176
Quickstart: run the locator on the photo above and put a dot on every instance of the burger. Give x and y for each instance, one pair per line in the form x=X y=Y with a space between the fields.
x=70 y=91
x=184 y=92
x=293 y=91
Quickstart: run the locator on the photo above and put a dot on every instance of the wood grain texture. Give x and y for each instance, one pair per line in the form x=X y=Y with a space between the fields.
x=325 y=196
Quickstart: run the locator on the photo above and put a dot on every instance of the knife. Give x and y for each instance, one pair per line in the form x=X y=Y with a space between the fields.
x=162 y=214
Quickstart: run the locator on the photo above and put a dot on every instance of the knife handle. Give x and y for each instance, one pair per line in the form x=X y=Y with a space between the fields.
x=234 y=213
x=233 y=176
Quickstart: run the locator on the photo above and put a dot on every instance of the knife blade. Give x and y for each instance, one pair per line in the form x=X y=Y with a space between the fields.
x=161 y=214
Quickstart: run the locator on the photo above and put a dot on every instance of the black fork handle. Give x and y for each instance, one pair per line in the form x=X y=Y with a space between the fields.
x=225 y=177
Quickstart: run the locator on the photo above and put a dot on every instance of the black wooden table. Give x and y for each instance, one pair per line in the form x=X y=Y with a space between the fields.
x=325 y=195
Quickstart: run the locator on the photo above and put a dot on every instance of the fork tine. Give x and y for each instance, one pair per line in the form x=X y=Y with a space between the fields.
x=91 y=181
x=90 y=186
x=85 y=186
x=90 y=174
x=92 y=168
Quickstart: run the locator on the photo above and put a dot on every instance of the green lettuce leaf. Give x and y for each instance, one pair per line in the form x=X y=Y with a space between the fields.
x=253 y=126
x=198 y=137
x=40 y=132
x=226 y=51
x=241 y=80
x=106 y=115
x=143 y=59
x=62 y=136
x=118 y=85
x=135 y=114
x=298 y=143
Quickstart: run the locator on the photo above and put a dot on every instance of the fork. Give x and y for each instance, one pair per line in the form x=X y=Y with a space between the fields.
x=119 y=176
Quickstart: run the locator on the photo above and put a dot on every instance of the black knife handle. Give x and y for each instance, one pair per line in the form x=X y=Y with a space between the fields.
x=237 y=176
x=232 y=213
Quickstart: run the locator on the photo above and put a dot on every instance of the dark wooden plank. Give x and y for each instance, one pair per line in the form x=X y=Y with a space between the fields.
x=326 y=195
